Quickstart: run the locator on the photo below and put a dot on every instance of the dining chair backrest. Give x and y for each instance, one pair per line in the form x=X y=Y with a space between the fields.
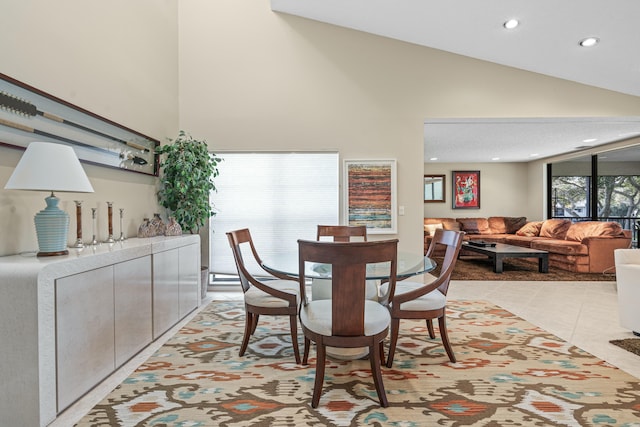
x=348 y=276
x=426 y=299
x=238 y=238
x=269 y=295
x=342 y=233
x=453 y=242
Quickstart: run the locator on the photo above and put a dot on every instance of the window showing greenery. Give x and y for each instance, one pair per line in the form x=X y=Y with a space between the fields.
x=570 y=196
x=614 y=179
x=618 y=196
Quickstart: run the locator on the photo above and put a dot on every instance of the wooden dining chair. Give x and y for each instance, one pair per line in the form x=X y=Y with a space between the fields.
x=342 y=233
x=321 y=288
x=279 y=296
x=418 y=300
x=348 y=320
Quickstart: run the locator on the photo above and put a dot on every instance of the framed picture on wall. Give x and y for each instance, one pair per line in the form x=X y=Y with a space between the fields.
x=28 y=114
x=434 y=188
x=370 y=195
x=466 y=189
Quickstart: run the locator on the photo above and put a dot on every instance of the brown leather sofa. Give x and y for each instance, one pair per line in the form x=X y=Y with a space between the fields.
x=583 y=247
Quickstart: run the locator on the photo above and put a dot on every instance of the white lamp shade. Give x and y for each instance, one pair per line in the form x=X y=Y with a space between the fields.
x=46 y=166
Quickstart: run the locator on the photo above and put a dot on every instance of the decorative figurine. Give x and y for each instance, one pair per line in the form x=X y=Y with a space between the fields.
x=158 y=227
x=173 y=228
x=143 y=230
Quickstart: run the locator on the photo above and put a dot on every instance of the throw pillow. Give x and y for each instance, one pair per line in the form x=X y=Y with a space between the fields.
x=474 y=225
x=514 y=224
x=555 y=228
x=431 y=228
x=580 y=230
x=451 y=225
x=506 y=224
x=530 y=229
x=497 y=224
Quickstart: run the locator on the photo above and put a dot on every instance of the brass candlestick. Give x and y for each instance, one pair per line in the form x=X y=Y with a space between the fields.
x=110 y=239
x=78 y=244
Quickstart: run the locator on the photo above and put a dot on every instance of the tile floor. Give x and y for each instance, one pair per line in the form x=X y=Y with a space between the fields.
x=582 y=313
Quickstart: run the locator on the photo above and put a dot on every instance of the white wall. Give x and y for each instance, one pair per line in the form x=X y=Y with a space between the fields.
x=117 y=59
x=503 y=190
x=251 y=79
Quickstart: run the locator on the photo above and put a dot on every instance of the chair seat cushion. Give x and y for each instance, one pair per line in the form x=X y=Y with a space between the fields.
x=434 y=300
x=316 y=316
x=259 y=298
x=428 y=278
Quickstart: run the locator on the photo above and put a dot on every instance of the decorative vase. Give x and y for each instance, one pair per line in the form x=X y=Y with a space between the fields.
x=144 y=229
x=157 y=226
x=173 y=228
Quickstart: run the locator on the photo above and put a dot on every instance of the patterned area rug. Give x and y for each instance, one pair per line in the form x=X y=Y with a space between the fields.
x=509 y=373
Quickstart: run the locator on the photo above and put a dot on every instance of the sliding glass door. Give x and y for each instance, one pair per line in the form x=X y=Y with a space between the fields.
x=602 y=187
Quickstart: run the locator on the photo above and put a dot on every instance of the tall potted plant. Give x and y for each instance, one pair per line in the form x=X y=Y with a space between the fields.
x=187 y=170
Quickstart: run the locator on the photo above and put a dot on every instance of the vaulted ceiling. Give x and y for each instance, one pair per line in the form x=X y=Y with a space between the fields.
x=546 y=41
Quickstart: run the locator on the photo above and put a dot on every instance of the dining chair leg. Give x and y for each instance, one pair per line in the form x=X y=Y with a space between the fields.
x=445 y=338
x=293 y=324
x=381 y=346
x=395 y=329
x=432 y=333
x=374 y=358
x=248 y=327
x=255 y=323
x=307 y=344
x=320 y=365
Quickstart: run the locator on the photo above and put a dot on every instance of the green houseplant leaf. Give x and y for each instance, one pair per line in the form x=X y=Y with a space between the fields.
x=186 y=180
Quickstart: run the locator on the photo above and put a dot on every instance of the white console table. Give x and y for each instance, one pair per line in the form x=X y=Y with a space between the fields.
x=67 y=322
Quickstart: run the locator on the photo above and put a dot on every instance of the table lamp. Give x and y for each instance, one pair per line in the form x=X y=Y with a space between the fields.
x=46 y=166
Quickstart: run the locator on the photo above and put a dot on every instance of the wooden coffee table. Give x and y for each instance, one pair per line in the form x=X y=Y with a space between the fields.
x=501 y=251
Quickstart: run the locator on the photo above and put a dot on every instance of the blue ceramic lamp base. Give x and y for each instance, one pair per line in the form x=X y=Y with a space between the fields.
x=52 y=228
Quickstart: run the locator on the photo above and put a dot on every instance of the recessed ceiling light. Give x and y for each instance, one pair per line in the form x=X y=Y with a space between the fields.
x=534 y=155
x=433 y=158
x=589 y=41
x=511 y=24
x=590 y=140
x=495 y=158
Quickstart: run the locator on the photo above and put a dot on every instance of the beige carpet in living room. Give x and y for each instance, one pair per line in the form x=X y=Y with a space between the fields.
x=480 y=268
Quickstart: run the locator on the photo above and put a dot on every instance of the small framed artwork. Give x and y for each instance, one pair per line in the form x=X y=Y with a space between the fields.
x=370 y=195
x=434 y=186
x=466 y=189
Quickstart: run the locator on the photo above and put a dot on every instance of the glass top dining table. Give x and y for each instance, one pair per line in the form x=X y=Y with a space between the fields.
x=409 y=264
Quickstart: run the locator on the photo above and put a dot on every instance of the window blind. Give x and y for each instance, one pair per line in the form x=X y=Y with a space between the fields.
x=279 y=197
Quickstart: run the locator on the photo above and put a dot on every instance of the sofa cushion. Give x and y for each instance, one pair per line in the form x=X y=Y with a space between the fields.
x=517 y=240
x=474 y=225
x=530 y=229
x=454 y=226
x=580 y=230
x=560 y=246
x=430 y=229
x=555 y=228
x=506 y=224
x=447 y=223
